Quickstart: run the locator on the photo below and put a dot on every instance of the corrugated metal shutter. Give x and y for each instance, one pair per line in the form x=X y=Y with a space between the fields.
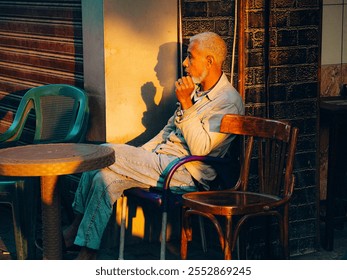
x=40 y=43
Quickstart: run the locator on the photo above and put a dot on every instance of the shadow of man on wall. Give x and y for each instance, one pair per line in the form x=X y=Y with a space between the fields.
x=156 y=115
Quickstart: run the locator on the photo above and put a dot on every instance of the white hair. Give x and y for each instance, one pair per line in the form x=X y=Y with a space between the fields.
x=213 y=44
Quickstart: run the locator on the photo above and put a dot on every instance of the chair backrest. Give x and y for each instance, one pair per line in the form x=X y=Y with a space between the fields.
x=61 y=114
x=268 y=151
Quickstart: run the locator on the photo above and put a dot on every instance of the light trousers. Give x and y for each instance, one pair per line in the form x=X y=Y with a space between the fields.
x=98 y=190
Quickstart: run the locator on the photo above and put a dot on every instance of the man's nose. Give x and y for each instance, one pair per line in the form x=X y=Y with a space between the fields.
x=185 y=63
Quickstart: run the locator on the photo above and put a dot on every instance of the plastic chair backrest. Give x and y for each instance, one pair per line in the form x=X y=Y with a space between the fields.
x=61 y=114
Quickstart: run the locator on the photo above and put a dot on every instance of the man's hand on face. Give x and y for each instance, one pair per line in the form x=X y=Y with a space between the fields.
x=184 y=89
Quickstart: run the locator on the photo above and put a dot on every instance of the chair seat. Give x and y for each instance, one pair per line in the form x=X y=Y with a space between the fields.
x=228 y=202
x=153 y=196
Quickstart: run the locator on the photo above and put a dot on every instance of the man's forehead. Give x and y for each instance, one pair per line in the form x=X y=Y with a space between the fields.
x=193 y=46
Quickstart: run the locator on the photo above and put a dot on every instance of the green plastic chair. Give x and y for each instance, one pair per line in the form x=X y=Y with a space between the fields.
x=61 y=115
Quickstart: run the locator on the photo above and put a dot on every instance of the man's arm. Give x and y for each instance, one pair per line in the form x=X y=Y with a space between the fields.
x=202 y=135
x=161 y=136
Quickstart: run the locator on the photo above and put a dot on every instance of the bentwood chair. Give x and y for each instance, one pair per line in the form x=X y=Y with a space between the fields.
x=167 y=199
x=264 y=188
x=61 y=115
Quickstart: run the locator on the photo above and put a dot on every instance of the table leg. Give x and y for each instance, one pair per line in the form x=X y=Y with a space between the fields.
x=51 y=218
x=328 y=243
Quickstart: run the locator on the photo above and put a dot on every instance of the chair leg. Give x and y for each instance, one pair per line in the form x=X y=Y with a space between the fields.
x=285 y=245
x=268 y=246
x=18 y=234
x=122 y=228
x=228 y=239
x=163 y=236
x=284 y=223
x=202 y=234
x=185 y=233
x=184 y=244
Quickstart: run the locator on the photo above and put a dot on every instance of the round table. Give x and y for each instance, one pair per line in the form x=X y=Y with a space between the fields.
x=48 y=161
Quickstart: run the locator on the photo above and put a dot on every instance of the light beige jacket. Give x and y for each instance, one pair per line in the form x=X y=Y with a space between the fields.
x=196 y=132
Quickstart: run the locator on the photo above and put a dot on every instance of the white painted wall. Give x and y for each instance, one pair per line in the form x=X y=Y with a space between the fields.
x=334 y=34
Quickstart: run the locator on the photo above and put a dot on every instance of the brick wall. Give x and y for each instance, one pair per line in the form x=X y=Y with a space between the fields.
x=216 y=16
x=281 y=82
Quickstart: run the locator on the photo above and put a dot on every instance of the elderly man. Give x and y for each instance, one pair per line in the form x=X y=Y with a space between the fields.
x=204 y=95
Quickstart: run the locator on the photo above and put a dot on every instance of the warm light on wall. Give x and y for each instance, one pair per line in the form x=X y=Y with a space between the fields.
x=138 y=86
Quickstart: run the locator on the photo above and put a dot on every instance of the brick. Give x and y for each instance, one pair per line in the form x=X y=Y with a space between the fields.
x=285 y=74
x=299 y=123
x=193 y=27
x=307 y=142
x=278 y=93
x=255 y=58
x=194 y=9
x=256 y=4
x=312 y=54
x=309 y=37
x=306 y=160
x=308 y=4
x=287 y=56
x=303 y=229
x=305 y=18
x=306 y=212
x=259 y=75
x=255 y=39
x=310 y=126
x=224 y=27
x=255 y=95
x=303 y=196
x=279 y=19
x=308 y=73
x=307 y=193
x=255 y=19
x=255 y=110
x=220 y=8
x=302 y=246
x=287 y=38
x=283 y=3
x=303 y=91
x=292 y=110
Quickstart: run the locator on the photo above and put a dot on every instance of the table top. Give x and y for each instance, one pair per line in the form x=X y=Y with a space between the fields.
x=54 y=159
x=333 y=103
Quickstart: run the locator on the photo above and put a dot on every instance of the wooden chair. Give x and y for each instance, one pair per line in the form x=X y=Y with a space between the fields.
x=61 y=115
x=168 y=199
x=269 y=150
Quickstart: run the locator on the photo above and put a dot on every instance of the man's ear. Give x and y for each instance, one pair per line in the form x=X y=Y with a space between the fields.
x=210 y=60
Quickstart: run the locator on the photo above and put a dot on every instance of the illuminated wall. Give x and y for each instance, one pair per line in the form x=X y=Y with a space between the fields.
x=130 y=65
x=334 y=47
